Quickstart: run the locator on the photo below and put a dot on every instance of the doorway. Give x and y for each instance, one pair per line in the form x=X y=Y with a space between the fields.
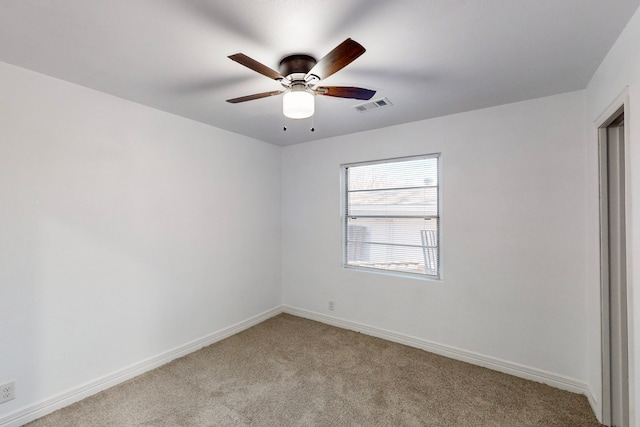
x=615 y=378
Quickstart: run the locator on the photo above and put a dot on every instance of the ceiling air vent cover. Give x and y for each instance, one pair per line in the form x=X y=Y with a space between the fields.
x=372 y=105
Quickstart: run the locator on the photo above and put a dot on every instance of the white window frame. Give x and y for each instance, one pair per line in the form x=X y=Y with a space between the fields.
x=345 y=221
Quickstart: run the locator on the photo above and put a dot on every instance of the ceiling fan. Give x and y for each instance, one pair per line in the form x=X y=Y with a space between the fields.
x=300 y=76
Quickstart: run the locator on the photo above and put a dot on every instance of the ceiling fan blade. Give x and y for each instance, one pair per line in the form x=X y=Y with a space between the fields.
x=254 y=96
x=346 y=92
x=344 y=54
x=243 y=59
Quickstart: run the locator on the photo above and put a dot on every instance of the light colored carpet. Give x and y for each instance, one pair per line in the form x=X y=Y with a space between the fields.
x=289 y=371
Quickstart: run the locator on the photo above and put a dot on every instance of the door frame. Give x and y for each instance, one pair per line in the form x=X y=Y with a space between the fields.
x=619 y=106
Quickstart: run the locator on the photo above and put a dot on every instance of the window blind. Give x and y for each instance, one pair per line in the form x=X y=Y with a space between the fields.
x=392 y=215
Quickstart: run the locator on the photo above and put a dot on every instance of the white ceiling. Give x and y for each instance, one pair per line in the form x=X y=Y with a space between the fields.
x=428 y=57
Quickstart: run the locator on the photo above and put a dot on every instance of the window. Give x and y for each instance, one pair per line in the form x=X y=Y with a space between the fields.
x=391 y=215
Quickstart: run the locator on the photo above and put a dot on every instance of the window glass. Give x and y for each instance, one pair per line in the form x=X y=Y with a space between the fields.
x=392 y=215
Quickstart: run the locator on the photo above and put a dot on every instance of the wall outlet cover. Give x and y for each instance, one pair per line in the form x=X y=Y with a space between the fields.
x=7 y=391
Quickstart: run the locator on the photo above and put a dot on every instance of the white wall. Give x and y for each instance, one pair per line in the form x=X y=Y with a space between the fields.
x=619 y=70
x=124 y=232
x=513 y=232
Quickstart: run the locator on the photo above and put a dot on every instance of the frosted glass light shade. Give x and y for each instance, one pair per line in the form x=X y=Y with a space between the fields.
x=298 y=104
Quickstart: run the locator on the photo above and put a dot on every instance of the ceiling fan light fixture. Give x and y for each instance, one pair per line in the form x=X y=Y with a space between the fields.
x=300 y=75
x=298 y=103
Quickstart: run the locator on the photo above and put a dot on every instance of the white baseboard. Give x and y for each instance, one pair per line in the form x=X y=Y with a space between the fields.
x=495 y=364
x=596 y=407
x=32 y=412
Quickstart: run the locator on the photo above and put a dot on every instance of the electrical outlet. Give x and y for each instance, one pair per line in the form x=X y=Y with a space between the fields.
x=7 y=391
x=332 y=305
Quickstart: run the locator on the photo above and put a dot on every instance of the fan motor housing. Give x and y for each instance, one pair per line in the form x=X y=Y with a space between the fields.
x=296 y=64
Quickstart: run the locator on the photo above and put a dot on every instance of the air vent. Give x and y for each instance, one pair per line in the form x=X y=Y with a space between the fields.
x=372 y=105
